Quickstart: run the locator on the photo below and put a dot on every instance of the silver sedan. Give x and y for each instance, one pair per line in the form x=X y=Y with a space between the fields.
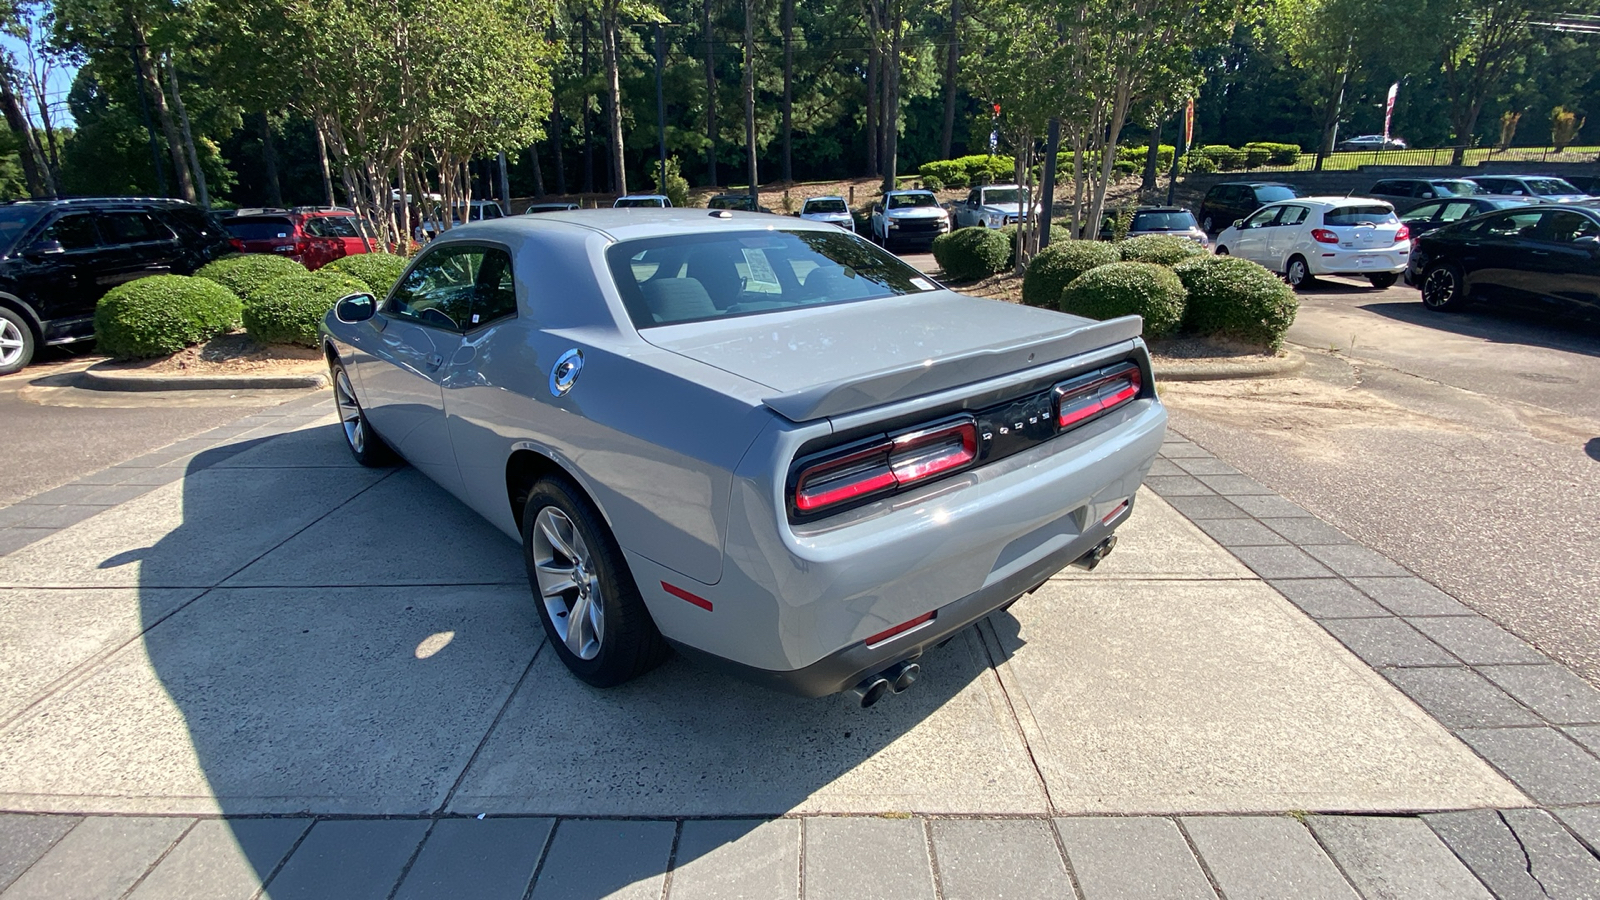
x=760 y=440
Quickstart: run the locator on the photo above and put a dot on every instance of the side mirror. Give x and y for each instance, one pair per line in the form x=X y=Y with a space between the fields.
x=355 y=308
x=1427 y=195
x=1238 y=223
x=44 y=248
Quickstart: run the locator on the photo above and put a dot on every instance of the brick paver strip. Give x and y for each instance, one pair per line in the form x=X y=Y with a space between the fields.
x=477 y=858
x=1280 y=562
x=1265 y=858
x=1460 y=697
x=350 y=859
x=1388 y=641
x=1545 y=763
x=1395 y=859
x=1521 y=854
x=1476 y=640
x=1327 y=598
x=222 y=859
x=1587 y=735
x=624 y=860
x=1585 y=823
x=1411 y=596
x=737 y=859
x=23 y=839
x=1306 y=531
x=844 y=854
x=1138 y=858
x=1551 y=691
x=103 y=857
x=980 y=859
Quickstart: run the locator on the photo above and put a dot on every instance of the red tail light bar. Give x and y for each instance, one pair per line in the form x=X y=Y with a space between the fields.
x=1324 y=236
x=1093 y=395
x=1404 y=234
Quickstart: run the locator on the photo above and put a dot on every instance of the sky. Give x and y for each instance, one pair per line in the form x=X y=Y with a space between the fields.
x=56 y=88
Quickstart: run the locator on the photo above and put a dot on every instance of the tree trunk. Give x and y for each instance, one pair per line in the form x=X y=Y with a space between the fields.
x=1152 y=159
x=33 y=172
x=269 y=161
x=327 y=175
x=188 y=137
x=873 y=74
x=403 y=246
x=891 y=99
x=557 y=130
x=588 y=134
x=538 y=173
x=52 y=140
x=151 y=84
x=608 y=38
x=1077 y=182
x=711 y=100
x=1108 y=147
x=750 y=100
x=788 y=91
x=1047 y=189
x=505 y=183
x=952 y=63
x=1330 y=114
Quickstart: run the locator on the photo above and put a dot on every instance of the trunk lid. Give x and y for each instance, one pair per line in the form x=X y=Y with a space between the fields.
x=831 y=360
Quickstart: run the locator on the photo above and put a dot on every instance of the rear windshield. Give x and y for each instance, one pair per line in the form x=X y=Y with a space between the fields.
x=1455 y=188
x=14 y=220
x=902 y=201
x=1272 y=193
x=265 y=228
x=1180 y=220
x=691 y=278
x=333 y=226
x=638 y=202
x=1545 y=187
x=825 y=206
x=1360 y=215
x=731 y=203
x=486 y=211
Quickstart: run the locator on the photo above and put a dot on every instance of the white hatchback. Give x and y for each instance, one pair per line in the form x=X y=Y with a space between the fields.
x=1310 y=236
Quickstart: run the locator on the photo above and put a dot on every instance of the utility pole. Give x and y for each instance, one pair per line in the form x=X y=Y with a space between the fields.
x=661 y=116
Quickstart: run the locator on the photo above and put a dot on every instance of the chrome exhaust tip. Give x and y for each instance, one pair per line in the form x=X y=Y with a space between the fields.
x=872 y=690
x=1089 y=560
x=903 y=675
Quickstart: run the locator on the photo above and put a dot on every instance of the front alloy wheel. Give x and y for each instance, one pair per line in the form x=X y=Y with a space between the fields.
x=1441 y=288
x=568 y=584
x=16 y=342
x=364 y=444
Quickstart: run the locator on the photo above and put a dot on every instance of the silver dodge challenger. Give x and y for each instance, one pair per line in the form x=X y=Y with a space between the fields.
x=759 y=440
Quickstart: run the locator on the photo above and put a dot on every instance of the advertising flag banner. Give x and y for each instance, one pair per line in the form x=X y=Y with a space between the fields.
x=1388 y=112
x=1188 y=124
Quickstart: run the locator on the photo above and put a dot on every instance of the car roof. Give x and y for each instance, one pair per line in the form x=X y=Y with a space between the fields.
x=1330 y=202
x=632 y=224
x=909 y=191
x=1008 y=186
x=827 y=197
x=1160 y=209
x=663 y=196
x=1254 y=184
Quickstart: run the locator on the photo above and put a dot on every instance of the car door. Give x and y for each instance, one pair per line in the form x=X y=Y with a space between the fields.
x=63 y=267
x=139 y=245
x=418 y=333
x=1563 y=262
x=1284 y=235
x=1495 y=253
x=493 y=305
x=1254 y=236
x=967 y=210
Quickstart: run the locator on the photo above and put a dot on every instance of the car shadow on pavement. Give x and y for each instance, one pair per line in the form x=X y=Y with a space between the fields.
x=1501 y=325
x=362 y=644
x=1593 y=448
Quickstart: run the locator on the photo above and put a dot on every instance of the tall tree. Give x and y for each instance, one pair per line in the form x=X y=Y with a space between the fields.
x=1482 y=42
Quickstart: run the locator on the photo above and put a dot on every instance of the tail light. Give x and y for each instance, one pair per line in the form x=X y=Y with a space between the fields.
x=1403 y=234
x=1324 y=236
x=236 y=244
x=1093 y=395
x=885 y=465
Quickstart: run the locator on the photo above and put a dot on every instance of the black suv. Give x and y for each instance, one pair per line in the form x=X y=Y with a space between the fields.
x=1232 y=200
x=57 y=257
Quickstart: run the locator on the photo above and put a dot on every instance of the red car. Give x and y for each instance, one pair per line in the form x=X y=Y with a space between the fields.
x=311 y=237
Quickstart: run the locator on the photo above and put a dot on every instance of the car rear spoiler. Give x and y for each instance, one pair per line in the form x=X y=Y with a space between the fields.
x=918 y=379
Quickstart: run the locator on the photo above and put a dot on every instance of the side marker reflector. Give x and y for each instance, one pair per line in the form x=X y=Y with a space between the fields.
x=902 y=628
x=682 y=594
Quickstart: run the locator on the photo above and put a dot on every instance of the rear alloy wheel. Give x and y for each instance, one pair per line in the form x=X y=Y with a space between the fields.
x=1383 y=280
x=1222 y=251
x=1208 y=226
x=1298 y=274
x=364 y=443
x=16 y=342
x=1442 y=288
x=586 y=597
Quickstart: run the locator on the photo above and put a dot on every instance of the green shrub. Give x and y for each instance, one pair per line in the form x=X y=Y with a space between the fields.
x=677 y=187
x=1277 y=154
x=968 y=170
x=1256 y=157
x=1227 y=158
x=1129 y=288
x=247 y=273
x=379 y=271
x=1198 y=164
x=289 y=310
x=971 y=253
x=1161 y=249
x=932 y=183
x=1235 y=298
x=1058 y=264
x=162 y=314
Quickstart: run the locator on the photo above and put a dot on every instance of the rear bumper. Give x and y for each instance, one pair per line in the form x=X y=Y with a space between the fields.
x=1360 y=263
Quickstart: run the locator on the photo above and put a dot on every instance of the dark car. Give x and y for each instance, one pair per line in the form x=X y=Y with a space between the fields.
x=740 y=202
x=1404 y=193
x=1545 y=256
x=1169 y=220
x=57 y=257
x=311 y=236
x=1589 y=184
x=1432 y=214
x=1548 y=188
x=1233 y=200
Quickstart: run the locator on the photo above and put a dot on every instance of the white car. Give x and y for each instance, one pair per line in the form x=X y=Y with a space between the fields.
x=832 y=210
x=477 y=211
x=993 y=206
x=642 y=201
x=1310 y=236
x=908 y=217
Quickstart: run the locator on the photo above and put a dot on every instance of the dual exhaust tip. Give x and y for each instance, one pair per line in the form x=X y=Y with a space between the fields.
x=894 y=679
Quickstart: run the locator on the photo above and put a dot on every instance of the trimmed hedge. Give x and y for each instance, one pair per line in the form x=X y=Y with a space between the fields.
x=1227 y=158
x=1161 y=249
x=162 y=314
x=1236 y=298
x=1129 y=288
x=378 y=270
x=968 y=254
x=289 y=309
x=1057 y=265
x=1277 y=154
x=247 y=273
x=967 y=170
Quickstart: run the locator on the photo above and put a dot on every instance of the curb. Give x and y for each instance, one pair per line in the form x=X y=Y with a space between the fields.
x=1292 y=361
x=106 y=381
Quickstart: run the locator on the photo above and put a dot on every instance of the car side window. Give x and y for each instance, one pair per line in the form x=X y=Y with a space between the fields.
x=1566 y=227
x=972 y=199
x=333 y=227
x=494 y=294
x=1385 y=187
x=1519 y=224
x=1293 y=215
x=1263 y=218
x=1422 y=213
x=458 y=287
x=74 y=232
x=133 y=228
x=1455 y=212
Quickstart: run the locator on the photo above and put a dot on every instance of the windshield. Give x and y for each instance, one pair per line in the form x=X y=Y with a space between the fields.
x=1176 y=220
x=263 y=229
x=1456 y=188
x=1545 y=187
x=486 y=211
x=1003 y=195
x=689 y=278
x=1272 y=193
x=14 y=220
x=731 y=203
x=905 y=201
x=825 y=206
x=638 y=202
x=1360 y=215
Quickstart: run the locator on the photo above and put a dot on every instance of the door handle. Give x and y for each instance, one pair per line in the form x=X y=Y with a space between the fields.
x=1539 y=252
x=434 y=362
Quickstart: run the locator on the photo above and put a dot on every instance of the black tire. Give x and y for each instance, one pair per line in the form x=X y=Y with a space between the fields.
x=359 y=437
x=1383 y=280
x=1222 y=250
x=1443 y=288
x=1208 y=225
x=16 y=342
x=626 y=643
x=1298 y=273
